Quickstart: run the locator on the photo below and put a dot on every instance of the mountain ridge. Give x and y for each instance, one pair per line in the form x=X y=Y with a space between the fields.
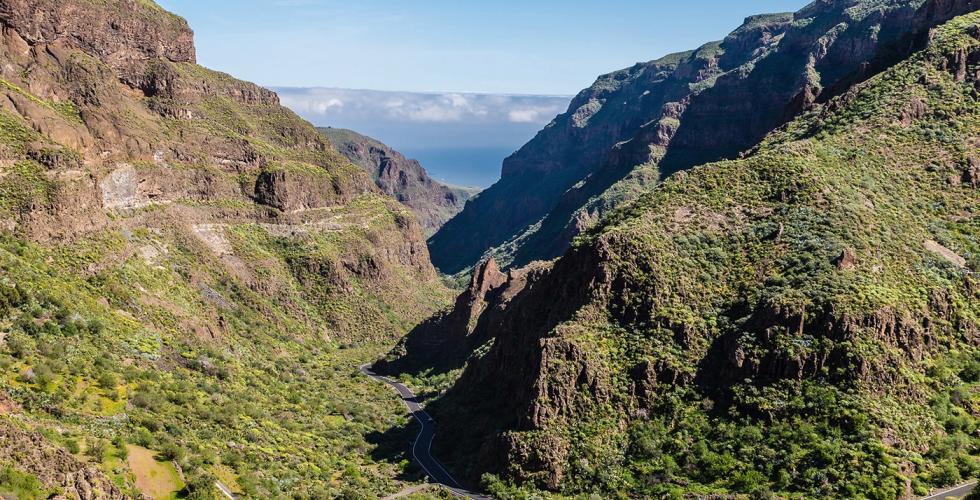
x=401 y=178
x=634 y=127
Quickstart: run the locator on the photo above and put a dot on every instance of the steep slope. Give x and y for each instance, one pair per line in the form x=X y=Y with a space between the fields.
x=445 y=341
x=187 y=265
x=432 y=202
x=805 y=320
x=636 y=126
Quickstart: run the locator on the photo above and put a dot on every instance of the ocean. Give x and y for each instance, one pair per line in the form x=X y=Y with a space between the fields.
x=461 y=166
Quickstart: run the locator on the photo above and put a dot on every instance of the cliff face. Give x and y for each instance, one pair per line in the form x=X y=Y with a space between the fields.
x=109 y=125
x=803 y=320
x=447 y=340
x=162 y=224
x=57 y=469
x=120 y=32
x=634 y=127
x=405 y=180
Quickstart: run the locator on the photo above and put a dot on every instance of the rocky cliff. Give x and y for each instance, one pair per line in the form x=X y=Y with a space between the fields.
x=179 y=253
x=109 y=125
x=636 y=126
x=57 y=469
x=446 y=341
x=800 y=321
x=432 y=202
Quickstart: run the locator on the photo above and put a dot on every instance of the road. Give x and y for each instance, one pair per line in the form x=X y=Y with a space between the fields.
x=422 y=447
x=954 y=492
x=225 y=490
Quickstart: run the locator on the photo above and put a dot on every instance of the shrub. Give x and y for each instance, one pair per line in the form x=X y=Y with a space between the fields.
x=72 y=446
x=946 y=473
x=43 y=376
x=19 y=346
x=971 y=372
x=171 y=451
x=144 y=438
x=97 y=450
x=119 y=443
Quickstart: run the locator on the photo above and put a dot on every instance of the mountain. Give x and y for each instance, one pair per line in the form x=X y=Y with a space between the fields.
x=432 y=202
x=803 y=320
x=188 y=271
x=636 y=126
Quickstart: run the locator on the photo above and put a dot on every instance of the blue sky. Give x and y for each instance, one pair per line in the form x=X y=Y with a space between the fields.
x=495 y=46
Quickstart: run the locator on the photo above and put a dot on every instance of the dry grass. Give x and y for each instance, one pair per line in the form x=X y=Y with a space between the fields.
x=157 y=480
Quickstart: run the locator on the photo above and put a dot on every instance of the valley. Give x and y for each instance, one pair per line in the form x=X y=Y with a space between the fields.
x=748 y=270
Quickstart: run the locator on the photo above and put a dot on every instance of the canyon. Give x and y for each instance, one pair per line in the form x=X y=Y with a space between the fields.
x=745 y=270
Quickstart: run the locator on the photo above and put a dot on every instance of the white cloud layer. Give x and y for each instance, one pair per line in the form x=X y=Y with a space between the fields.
x=328 y=105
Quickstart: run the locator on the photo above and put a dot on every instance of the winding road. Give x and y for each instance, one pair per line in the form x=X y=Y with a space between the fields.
x=226 y=491
x=422 y=447
x=954 y=492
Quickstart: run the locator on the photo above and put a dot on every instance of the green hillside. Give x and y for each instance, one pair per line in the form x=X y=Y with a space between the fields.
x=804 y=321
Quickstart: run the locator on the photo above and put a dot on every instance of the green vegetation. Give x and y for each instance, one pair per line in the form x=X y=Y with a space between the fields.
x=149 y=9
x=760 y=20
x=66 y=109
x=16 y=484
x=203 y=329
x=797 y=323
x=15 y=135
x=279 y=413
x=24 y=186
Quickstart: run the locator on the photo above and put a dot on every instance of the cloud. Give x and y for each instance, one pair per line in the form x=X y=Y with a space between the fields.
x=324 y=105
x=524 y=115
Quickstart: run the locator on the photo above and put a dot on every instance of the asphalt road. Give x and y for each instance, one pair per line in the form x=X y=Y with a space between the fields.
x=225 y=491
x=955 y=492
x=422 y=447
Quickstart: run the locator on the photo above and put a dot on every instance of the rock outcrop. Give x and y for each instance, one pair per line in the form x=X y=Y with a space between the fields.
x=406 y=180
x=636 y=126
x=54 y=467
x=445 y=341
x=117 y=31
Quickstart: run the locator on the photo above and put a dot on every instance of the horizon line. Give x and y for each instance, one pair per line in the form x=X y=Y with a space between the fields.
x=425 y=92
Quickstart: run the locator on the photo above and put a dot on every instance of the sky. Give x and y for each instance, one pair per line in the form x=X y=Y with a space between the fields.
x=553 y=47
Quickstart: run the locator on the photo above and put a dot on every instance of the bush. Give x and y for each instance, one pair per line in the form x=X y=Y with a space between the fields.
x=108 y=381
x=749 y=481
x=200 y=486
x=19 y=346
x=144 y=438
x=97 y=450
x=120 y=444
x=971 y=373
x=171 y=451
x=72 y=446
x=43 y=375
x=947 y=473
